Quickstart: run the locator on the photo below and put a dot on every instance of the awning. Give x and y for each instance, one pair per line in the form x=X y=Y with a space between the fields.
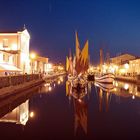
x=8 y=68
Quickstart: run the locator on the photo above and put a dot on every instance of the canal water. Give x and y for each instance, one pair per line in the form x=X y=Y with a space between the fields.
x=53 y=111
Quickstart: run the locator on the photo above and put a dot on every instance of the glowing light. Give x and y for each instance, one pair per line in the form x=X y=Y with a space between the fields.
x=122 y=71
x=33 y=55
x=32 y=114
x=50 y=88
x=126 y=66
x=60 y=68
x=61 y=79
x=133 y=97
x=80 y=100
x=115 y=89
x=58 y=82
x=126 y=86
x=46 y=84
x=49 y=67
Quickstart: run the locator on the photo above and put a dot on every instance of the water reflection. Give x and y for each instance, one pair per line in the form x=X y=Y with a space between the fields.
x=50 y=84
x=16 y=109
x=126 y=89
x=120 y=89
x=90 y=113
x=79 y=105
x=19 y=115
x=80 y=115
x=77 y=94
x=80 y=98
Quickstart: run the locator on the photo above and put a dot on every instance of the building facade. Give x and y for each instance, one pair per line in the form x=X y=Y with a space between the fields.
x=14 y=50
x=134 y=67
x=122 y=59
x=38 y=64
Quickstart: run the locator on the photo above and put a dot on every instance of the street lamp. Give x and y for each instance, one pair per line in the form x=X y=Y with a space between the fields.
x=32 y=56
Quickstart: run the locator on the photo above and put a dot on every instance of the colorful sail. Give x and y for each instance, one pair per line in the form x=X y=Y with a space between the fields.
x=67 y=63
x=78 y=51
x=80 y=62
x=84 y=54
x=83 y=63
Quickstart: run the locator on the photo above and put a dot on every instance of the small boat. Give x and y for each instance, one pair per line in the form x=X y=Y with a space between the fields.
x=77 y=93
x=105 y=86
x=105 y=78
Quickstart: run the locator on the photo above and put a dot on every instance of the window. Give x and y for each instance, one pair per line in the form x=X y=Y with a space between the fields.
x=5 y=43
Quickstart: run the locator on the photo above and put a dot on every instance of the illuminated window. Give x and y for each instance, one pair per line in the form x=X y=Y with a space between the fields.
x=5 y=43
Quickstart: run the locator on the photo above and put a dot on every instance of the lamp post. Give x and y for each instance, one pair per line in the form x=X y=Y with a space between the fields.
x=32 y=56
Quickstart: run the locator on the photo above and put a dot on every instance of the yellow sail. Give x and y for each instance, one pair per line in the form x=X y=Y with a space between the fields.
x=67 y=88
x=77 y=47
x=82 y=63
x=84 y=53
x=67 y=63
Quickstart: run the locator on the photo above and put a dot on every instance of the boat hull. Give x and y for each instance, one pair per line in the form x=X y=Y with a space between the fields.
x=106 y=78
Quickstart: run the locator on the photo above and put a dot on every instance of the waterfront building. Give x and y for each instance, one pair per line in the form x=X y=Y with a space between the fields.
x=122 y=59
x=14 y=51
x=38 y=64
x=119 y=65
x=134 y=67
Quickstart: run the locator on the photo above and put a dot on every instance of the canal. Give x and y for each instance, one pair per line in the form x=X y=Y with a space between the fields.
x=51 y=112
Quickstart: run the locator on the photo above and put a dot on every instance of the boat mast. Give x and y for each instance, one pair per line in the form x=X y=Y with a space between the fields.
x=101 y=59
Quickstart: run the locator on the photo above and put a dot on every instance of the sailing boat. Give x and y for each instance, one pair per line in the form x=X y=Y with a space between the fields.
x=70 y=67
x=104 y=78
x=80 y=65
x=77 y=67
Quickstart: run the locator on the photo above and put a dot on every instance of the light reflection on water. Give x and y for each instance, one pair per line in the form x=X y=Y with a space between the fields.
x=85 y=108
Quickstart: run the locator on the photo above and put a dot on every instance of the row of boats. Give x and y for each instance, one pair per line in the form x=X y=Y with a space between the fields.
x=77 y=68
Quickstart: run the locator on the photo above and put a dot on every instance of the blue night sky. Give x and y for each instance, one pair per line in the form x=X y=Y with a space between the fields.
x=113 y=25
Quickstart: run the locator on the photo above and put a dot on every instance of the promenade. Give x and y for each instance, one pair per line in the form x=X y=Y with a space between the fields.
x=131 y=79
x=22 y=83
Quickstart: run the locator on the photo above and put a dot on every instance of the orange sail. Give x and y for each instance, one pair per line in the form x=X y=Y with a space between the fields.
x=67 y=63
x=83 y=63
x=85 y=57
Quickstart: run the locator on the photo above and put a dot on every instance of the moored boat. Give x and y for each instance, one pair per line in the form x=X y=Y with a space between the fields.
x=77 y=66
x=79 y=83
x=105 y=86
x=105 y=78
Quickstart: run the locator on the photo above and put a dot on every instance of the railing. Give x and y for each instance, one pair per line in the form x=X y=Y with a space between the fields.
x=6 y=81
